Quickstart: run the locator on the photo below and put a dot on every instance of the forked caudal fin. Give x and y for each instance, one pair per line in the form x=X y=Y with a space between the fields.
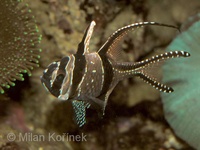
x=142 y=68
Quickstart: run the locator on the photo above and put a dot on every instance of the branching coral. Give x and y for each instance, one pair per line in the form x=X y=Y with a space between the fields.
x=19 y=39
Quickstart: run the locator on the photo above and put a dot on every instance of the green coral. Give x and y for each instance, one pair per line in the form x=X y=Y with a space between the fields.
x=182 y=107
x=19 y=39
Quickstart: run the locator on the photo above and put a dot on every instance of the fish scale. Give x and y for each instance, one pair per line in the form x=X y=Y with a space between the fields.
x=87 y=79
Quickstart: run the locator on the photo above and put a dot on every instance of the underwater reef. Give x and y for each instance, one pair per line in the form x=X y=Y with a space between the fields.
x=182 y=107
x=134 y=116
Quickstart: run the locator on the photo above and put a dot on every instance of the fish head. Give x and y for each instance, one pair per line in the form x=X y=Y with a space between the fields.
x=57 y=78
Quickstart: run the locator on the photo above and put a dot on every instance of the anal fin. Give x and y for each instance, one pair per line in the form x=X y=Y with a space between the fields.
x=105 y=96
x=98 y=105
x=79 y=108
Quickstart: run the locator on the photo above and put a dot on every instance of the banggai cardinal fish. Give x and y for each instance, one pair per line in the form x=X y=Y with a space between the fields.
x=88 y=78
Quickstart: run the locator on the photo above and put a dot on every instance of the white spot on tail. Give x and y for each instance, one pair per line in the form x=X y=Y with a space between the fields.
x=183 y=52
x=187 y=54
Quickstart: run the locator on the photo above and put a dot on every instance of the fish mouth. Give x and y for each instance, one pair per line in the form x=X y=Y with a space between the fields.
x=46 y=83
x=42 y=79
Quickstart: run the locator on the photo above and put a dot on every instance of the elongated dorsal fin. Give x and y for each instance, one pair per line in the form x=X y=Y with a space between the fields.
x=111 y=46
x=83 y=46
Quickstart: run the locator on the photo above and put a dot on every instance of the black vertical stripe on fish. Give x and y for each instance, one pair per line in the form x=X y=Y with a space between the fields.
x=79 y=71
x=108 y=74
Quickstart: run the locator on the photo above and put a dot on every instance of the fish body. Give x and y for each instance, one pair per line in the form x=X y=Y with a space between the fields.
x=87 y=79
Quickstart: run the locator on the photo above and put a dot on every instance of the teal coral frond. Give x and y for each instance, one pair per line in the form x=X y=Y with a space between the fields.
x=19 y=39
x=182 y=107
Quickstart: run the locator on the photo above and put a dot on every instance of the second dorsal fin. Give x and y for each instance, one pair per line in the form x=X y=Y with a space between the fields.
x=111 y=46
x=83 y=46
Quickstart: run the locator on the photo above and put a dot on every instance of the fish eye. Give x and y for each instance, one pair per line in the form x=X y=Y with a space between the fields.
x=60 y=77
x=58 y=81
